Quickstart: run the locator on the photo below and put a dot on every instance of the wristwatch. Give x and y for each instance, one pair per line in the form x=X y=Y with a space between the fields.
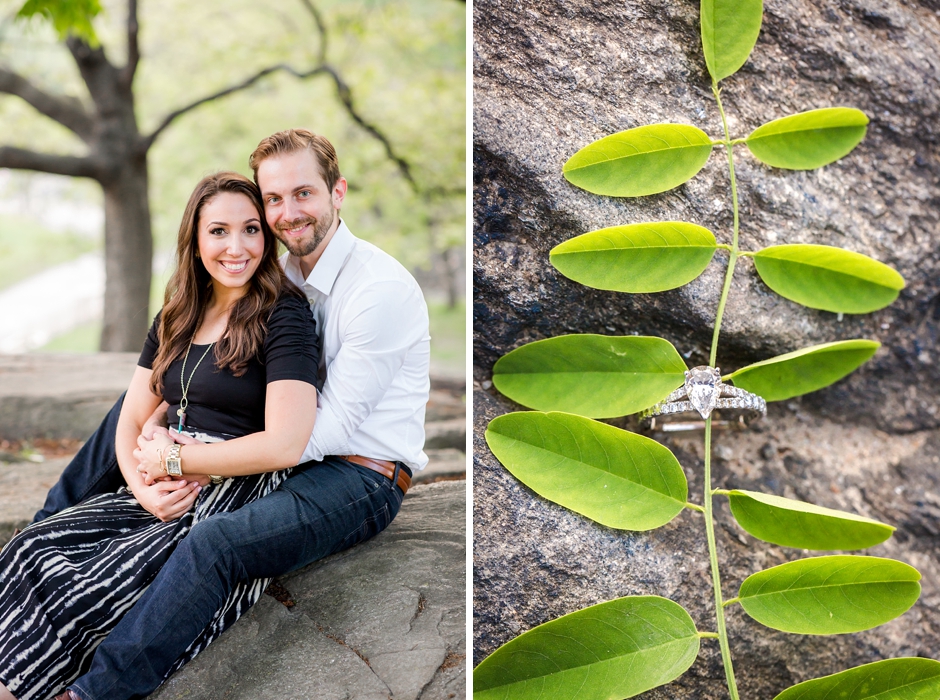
x=174 y=467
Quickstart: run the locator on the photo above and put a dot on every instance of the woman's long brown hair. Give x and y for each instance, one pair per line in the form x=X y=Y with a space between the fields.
x=190 y=288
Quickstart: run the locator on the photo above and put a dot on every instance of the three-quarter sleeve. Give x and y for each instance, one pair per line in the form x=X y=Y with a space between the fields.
x=292 y=344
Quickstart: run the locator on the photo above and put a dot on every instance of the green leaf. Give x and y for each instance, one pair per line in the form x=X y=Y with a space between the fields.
x=597 y=376
x=893 y=679
x=803 y=371
x=828 y=278
x=810 y=139
x=641 y=161
x=609 y=651
x=612 y=476
x=830 y=595
x=637 y=258
x=67 y=16
x=729 y=32
x=797 y=524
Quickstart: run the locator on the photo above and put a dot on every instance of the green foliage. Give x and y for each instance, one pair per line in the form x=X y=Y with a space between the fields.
x=596 y=376
x=66 y=16
x=828 y=278
x=637 y=258
x=614 y=477
x=626 y=481
x=729 y=32
x=891 y=679
x=792 y=523
x=803 y=371
x=808 y=140
x=834 y=595
x=404 y=61
x=641 y=161
x=616 y=649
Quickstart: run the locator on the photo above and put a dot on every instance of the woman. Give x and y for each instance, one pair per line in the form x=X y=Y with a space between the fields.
x=234 y=353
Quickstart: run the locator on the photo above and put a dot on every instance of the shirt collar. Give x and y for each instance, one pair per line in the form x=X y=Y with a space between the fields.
x=324 y=273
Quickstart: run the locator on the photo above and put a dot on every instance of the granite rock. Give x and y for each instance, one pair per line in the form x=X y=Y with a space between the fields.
x=385 y=619
x=550 y=76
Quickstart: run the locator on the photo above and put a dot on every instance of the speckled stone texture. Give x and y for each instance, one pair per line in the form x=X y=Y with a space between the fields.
x=550 y=76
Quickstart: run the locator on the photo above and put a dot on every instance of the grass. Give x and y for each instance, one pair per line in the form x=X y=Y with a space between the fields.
x=27 y=248
x=448 y=334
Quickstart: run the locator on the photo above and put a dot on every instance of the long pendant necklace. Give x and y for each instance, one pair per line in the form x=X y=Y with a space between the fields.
x=181 y=411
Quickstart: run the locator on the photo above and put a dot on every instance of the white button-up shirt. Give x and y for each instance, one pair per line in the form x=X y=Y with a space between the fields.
x=376 y=352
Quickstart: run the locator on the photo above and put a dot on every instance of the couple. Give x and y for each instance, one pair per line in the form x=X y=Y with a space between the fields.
x=156 y=541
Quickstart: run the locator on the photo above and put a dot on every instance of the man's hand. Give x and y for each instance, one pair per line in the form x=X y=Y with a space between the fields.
x=168 y=500
x=157 y=420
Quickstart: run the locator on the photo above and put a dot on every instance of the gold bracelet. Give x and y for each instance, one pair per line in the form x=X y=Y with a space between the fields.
x=160 y=455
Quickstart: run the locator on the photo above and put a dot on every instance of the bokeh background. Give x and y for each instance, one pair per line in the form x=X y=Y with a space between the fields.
x=404 y=64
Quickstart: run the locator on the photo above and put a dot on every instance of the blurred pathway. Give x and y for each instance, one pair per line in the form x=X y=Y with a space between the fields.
x=53 y=302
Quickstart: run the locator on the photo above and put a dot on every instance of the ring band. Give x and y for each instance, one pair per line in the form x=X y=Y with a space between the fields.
x=704 y=392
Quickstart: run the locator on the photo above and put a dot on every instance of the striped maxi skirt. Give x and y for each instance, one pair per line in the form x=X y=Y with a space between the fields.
x=67 y=581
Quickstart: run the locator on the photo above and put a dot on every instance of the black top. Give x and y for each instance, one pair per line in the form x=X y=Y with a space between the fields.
x=228 y=406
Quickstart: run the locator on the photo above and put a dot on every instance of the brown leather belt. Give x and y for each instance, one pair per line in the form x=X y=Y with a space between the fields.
x=383 y=467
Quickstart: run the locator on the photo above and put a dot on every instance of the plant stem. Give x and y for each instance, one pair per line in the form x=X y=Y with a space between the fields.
x=733 y=255
x=713 y=557
x=709 y=519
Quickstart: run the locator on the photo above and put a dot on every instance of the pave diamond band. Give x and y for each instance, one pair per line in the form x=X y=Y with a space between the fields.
x=702 y=393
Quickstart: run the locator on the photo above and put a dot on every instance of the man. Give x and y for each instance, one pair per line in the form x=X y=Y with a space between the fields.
x=370 y=427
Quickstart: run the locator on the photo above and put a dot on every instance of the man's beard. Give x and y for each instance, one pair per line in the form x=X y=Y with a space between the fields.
x=301 y=247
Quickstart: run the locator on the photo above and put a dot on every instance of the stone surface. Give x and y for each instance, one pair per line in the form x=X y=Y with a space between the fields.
x=550 y=76
x=383 y=620
x=535 y=561
x=60 y=395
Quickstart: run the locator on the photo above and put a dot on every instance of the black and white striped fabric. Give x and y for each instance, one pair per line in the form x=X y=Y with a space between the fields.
x=66 y=582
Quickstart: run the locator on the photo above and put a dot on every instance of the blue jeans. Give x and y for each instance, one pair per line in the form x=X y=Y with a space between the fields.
x=323 y=508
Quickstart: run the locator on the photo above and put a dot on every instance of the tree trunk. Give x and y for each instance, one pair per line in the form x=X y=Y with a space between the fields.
x=128 y=256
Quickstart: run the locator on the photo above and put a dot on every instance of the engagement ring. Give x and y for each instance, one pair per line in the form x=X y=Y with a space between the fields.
x=703 y=392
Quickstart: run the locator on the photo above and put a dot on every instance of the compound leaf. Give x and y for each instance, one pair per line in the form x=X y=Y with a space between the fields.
x=612 y=476
x=637 y=258
x=597 y=376
x=793 y=523
x=893 y=679
x=810 y=139
x=612 y=650
x=828 y=278
x=641 y=161
x=830 y=595
x=729 y=32
x=803 y=371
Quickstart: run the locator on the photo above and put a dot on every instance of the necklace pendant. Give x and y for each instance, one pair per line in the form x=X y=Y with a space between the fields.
x=182 y=414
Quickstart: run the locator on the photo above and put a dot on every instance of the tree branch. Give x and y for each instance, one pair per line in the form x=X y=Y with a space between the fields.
x=321 y=28
x=68 y=111
x=133 y=46
x=21 y=159
x=345 y=95
x=247 y=83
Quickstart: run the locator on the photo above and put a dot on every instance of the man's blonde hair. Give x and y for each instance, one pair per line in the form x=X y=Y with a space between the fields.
x=293 y=140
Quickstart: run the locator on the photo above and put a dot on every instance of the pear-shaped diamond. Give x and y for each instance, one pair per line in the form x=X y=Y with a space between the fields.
x=703 y=385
